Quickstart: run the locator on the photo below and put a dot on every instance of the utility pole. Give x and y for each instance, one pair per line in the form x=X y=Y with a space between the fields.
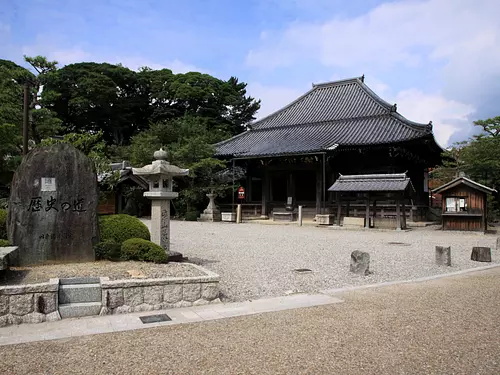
x=25 y=118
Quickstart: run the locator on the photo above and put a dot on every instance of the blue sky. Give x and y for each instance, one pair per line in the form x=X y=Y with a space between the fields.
x=437 y=59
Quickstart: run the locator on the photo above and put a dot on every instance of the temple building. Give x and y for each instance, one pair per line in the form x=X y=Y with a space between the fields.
x=294 y=155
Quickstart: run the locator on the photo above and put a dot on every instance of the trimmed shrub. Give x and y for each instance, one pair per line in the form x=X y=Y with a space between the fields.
x=191 y=215
x=107 y=250
x=144 y=250
x=4 y=243
x=3 y=224
x=118 y=228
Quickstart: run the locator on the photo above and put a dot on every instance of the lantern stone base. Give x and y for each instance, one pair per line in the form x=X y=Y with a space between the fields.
x=214 y=216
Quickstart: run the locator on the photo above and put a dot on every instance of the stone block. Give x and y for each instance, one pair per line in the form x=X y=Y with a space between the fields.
x=209 y=291
x=53 y=316
x=14 y=319
x=183 y=304
x=358 y=222
x=75 y=310
x=191 y=292
x=114 y=298
x=325 y=219
x=104 y=311
x=481 y=254
x=142 y=307
x=45 y=303
x=21 y=304
x=360 y=263
x=4 y=305
x=4 y=321
x=228 y=216
x=33 y=317
x=80 y=280
x=201 y=302
x=133 y=296
x=443 y=256
x=122 y=310
x=172 y=293
x=153 y=294
x=77 y=293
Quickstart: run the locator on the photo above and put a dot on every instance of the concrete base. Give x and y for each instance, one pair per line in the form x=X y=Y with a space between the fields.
x=284 y=216
x=354 y=222
x=325 y=219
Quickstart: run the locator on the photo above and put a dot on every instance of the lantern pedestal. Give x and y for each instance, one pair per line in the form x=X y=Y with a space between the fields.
x=160 y=217
x=211 y=213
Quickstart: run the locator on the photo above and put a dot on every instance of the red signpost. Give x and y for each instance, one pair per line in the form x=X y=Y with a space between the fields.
x=241 y=193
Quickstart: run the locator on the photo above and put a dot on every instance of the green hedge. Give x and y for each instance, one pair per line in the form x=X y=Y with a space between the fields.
x=192 y=215
x=119 y=228
x=143 y=250
x=107 y=250
x=3 y=224
x=4 y=243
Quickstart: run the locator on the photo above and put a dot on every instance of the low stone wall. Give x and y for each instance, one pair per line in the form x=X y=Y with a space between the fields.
x=29 y=303
x=124 y=296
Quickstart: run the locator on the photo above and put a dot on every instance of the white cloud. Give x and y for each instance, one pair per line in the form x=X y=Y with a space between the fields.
x=448 y=116
x=454 y=40
x=272 y=97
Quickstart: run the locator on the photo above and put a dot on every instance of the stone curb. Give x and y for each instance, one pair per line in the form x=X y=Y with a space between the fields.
x=51 y=286
x=397 y=282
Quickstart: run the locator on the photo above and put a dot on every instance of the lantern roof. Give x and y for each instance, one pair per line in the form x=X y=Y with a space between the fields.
x=160 y=167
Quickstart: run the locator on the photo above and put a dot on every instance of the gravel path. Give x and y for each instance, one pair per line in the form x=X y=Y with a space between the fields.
x=446 y=326
x=113 y=270
x=256 y=260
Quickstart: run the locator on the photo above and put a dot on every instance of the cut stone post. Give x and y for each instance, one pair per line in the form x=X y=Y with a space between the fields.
x=443 y=256
x=159 y=175
x=360 y=263
x=300 y=216
x=238 y=214
x=481 y=254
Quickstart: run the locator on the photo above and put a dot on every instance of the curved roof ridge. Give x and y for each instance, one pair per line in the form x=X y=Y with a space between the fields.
x=340 y=81
x=412 y=124
x=377 y=98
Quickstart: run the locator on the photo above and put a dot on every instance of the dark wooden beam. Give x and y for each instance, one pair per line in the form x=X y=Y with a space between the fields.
x=339 y=209
x=367 y=216
x=398 y=214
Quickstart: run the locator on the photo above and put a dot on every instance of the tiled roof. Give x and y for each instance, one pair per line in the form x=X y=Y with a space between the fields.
x=372 y=182
x=337 y=113
x=465 y=181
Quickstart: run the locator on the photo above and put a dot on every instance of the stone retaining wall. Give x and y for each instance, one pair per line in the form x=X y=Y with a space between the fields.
x=29 y=303
x=124 y=296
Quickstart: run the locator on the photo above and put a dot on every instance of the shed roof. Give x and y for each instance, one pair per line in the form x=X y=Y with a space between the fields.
x=332 y=114
x=372 y=182
x=466 y=181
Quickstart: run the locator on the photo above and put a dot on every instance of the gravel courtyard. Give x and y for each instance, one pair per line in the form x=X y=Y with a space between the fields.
x=256 y=260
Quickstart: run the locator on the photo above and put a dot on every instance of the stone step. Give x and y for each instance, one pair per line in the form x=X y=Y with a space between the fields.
x=76 y=310
x=77 y=293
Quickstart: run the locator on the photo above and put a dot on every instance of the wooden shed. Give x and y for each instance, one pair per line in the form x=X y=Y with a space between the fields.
x=464 y=204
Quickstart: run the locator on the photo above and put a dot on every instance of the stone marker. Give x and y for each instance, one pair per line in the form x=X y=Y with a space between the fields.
x=53 y=206
x=360 y=263
x=443 y=256
x=481 y=254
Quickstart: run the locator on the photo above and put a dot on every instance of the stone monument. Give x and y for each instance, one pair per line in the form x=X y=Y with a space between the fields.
x=159 y=175
x=212 y=212
x=360 y=263
x=53 y=206
x=443 y=256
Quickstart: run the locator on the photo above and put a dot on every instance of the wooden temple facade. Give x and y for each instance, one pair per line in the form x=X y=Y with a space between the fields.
x=338 y=128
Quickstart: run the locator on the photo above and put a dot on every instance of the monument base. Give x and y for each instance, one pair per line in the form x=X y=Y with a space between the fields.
x=210 y=217
x=325 y=219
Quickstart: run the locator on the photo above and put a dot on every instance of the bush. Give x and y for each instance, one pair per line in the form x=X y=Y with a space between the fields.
x=107 y=250
x=4 y=243
x=144 y=250
x=119 y=228
x=191 y=215
x=3 y=224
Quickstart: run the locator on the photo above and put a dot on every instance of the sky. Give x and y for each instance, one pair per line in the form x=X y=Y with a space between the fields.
x=438 y=60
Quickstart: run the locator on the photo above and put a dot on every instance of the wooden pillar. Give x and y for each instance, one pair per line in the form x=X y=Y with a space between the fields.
x=374 y=211
x=318 y=191
x=367 y=215
x=339 y=209
x=347 y=207
x=398 y=214
x=265 y=195
x=403 y=208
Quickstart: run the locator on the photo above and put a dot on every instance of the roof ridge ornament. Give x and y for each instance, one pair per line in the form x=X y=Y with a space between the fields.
x=394 y=108
x=363 y=78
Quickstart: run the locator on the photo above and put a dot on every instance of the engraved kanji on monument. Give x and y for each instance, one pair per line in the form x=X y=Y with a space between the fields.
x=53 y=206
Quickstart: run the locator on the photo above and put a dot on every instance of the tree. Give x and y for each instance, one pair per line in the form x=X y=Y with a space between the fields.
x=42 y=121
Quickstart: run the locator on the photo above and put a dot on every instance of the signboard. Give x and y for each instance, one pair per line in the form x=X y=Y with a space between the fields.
x=241 y=193
x=48 y=184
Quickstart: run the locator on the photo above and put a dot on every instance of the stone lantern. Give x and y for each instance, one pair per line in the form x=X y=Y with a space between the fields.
x=159 y=174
